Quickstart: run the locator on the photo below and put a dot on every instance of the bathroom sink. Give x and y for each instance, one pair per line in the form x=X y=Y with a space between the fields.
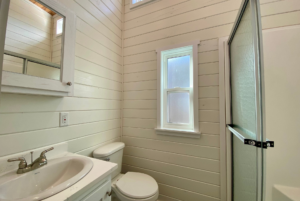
x=57 y=175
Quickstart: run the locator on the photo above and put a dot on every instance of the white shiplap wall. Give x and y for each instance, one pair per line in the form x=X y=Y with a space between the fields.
x=186 y=169
x=28 y=121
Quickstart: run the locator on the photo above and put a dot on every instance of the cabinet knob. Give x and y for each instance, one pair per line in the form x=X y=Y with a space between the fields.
x=69 y=83
x=109 y=193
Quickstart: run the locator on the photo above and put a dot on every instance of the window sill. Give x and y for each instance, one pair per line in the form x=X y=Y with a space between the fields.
x=178 y=133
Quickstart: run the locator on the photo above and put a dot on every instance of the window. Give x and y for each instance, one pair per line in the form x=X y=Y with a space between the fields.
x=135 y=3
x=59 y=26
x=178 y=90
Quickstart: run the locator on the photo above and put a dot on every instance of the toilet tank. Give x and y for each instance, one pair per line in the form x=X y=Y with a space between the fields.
x=112 y=152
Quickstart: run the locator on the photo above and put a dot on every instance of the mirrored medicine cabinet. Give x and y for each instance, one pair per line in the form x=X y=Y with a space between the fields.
x=39 y=48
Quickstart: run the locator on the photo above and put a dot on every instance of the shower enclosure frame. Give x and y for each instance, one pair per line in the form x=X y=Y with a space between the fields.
x=225 y=103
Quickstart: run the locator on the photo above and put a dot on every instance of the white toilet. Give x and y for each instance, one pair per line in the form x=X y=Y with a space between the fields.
x=132 y=186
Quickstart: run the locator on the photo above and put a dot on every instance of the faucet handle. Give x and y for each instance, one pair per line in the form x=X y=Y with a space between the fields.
x=22 y=164
x=44 y=152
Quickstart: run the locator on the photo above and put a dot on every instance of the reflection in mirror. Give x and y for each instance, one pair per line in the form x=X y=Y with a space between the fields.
x=33 y=44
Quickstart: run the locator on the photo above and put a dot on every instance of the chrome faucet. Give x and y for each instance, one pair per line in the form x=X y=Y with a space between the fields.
x=39 y=162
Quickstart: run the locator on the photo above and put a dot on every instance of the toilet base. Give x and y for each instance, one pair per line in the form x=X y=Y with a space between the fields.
x=116 y=198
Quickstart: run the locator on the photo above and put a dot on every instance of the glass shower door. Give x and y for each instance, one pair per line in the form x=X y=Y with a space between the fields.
x=245 y=52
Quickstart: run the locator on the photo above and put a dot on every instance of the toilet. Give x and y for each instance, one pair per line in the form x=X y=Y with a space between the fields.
x=132 y=186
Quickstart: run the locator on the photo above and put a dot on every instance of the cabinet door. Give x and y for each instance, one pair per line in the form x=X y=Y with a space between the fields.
x=100 y=194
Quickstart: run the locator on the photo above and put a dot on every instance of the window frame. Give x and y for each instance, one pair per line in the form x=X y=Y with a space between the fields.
x=133 y=5
x=163 y=126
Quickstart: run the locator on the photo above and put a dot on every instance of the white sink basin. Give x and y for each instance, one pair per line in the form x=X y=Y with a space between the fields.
x=57 y=175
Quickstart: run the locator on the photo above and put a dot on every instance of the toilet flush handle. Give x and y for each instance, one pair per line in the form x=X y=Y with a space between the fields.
x=109 y=193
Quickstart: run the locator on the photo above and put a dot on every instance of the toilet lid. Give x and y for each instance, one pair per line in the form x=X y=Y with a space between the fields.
x=137 y=185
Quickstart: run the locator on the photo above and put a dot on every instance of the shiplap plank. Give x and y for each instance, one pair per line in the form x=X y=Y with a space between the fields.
x=209 y=92
x=30 y=22
x=208 y=45
x=286 y=19
x=139 y=123
x=279 y=7
x=173 y=147
x=143 y=114
x=145 y=57
x=201 y=24
x=80 y=117
x=205 y=34
x=171 y=16
x=79 y=144
x=149 y=133
x=33 y=9
x=23 y=122
x=23 y=32
x=180 y=171
x=88 y=42
x=20 y=122
x=208 y=57
x=140 y=95
x=210 y=127
x=96 y=81
x=28 y=41
x=88 y=54
x=95 y=69
x=172 y=158
x=25 y=52
x=119 y=5
x=86 y=16
x=140 y=67
x=115 y=8
x=209 y=116
x=96 y=92
x=208 y=80
x=24 y=47
x=182 y=194
x=208 y=68
x=143 y=85
x=209 y=104
x=139 y=104
x=97 y=9
x=95 y=34
x=28 y=103
x=140 y=76
x=23 y=141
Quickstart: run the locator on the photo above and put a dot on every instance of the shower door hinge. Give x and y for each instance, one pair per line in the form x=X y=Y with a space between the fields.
x=259 y=144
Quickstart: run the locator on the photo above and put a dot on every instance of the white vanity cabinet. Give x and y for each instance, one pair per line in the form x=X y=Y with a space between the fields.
x=96 y=192
x=100 y=194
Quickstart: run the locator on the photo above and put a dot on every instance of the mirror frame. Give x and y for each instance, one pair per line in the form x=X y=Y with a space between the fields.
x=4 y=5
x=26 y=84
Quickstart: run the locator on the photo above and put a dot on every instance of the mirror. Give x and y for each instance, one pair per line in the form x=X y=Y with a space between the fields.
x=34 y=40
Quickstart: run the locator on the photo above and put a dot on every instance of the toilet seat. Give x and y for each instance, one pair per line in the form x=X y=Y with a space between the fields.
x=135 y=186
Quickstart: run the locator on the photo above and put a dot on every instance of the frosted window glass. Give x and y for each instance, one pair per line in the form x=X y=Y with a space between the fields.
x=179 y=72
x=59 y=26
x=179 y=107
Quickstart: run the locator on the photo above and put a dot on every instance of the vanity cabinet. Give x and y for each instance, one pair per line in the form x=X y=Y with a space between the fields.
x=100 y=194
x=94 y=192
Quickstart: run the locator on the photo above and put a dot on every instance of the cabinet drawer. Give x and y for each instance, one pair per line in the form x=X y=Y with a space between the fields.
x=100 y=193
